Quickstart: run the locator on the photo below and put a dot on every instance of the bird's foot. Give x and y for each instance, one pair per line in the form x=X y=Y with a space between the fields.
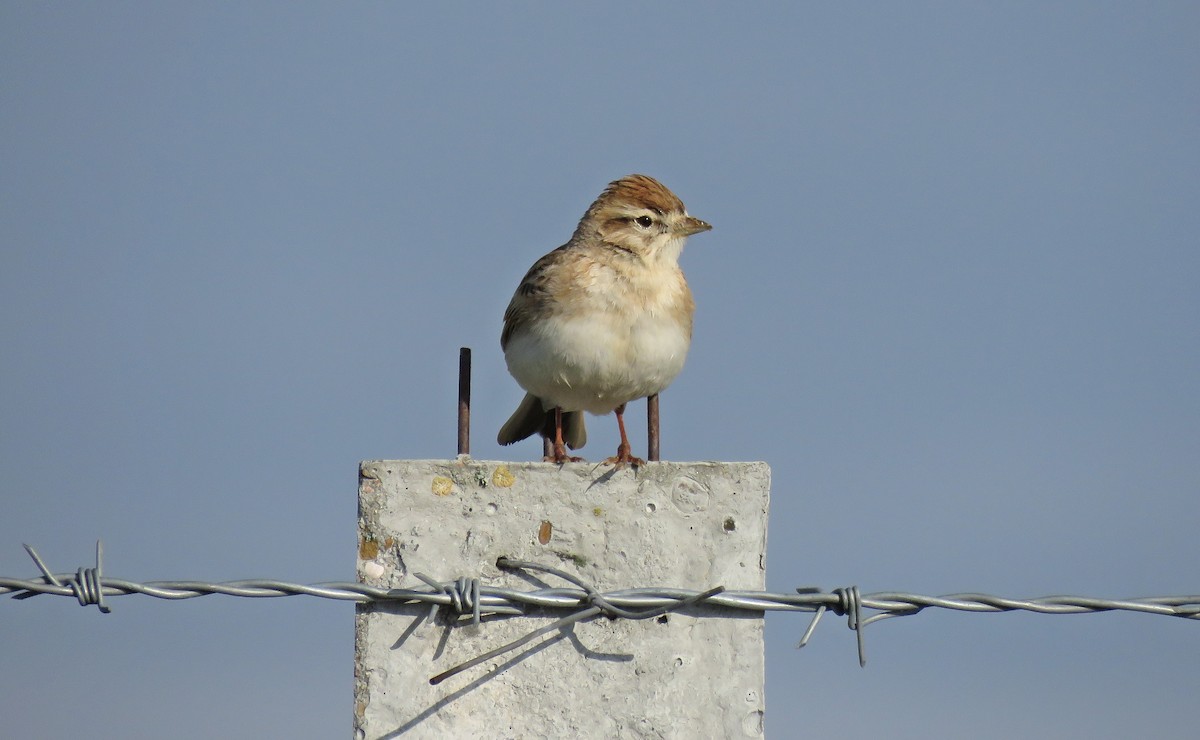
x=624 y=457
x=559 y=456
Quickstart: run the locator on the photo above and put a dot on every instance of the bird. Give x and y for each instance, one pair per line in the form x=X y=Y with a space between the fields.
x=603 y=320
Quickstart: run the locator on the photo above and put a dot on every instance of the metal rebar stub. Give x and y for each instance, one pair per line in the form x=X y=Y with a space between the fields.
x=652 y=428
x=691 y=525
x=464 y=401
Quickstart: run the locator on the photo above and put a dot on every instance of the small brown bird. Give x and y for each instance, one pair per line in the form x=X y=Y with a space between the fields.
x=604 y=319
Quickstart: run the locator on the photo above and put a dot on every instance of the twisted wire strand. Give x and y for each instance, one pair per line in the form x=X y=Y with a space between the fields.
x=888 y=603
x=468 y=596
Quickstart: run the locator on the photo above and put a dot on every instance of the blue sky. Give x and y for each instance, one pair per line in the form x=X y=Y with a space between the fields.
x=950 y=296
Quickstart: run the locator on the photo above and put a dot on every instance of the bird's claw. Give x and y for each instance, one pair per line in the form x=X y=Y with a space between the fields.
x=560 y=456
x=624 y=457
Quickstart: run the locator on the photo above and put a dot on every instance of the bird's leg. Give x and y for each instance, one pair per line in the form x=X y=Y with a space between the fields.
x=624 y=450
x=560 y=455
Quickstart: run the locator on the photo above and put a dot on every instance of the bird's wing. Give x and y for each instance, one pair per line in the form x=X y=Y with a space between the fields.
x=530 y=299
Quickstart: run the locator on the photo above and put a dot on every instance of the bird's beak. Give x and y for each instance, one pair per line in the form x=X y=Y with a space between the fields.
x=692 y=225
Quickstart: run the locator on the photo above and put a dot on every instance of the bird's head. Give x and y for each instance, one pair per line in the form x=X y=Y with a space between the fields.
x=638 y=214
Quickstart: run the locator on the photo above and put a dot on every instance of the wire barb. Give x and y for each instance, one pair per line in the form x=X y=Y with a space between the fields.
x=850 y=604
x=463 y=595
x=87 y=586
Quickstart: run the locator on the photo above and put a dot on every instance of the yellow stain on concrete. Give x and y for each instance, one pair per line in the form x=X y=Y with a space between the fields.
x=502 y=477
x=442 y=486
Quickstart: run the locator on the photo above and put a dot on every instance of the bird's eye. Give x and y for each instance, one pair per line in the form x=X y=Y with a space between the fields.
x=643 y=221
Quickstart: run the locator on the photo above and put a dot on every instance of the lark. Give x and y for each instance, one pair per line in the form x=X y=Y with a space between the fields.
x=603 y=320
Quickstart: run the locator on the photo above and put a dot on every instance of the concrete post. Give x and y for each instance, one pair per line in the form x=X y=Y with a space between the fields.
x=688 y=674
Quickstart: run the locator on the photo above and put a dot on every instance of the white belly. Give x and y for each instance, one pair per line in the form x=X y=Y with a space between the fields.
x=597 y=361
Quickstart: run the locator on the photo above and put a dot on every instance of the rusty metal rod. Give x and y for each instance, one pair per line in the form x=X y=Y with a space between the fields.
x=464 y=401
x=652 y=428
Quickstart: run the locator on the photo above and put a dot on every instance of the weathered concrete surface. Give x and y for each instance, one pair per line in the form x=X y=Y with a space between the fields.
x=685 y=525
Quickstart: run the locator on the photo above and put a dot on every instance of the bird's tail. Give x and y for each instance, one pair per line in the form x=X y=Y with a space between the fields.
x=531 y=418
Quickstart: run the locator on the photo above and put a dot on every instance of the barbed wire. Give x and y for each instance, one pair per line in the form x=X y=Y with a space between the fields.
x=468 y=596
